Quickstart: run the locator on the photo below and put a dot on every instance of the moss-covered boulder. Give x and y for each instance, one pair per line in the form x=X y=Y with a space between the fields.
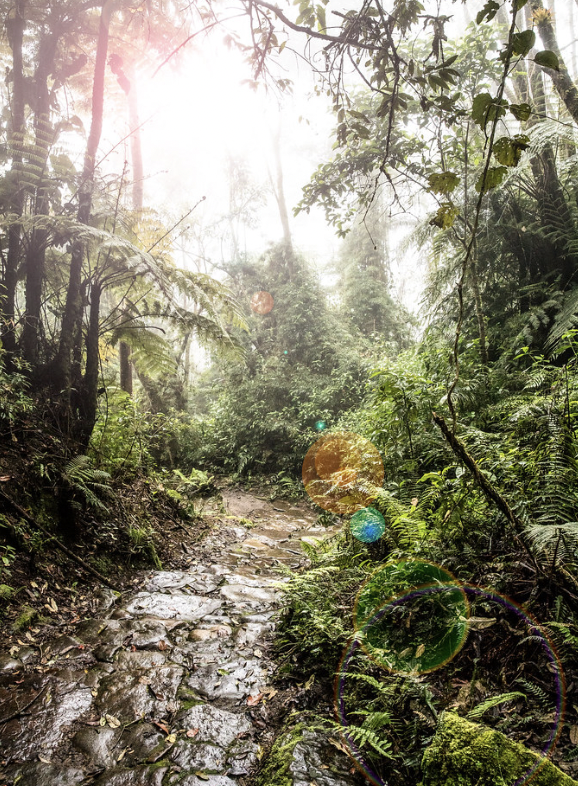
x=463 y=753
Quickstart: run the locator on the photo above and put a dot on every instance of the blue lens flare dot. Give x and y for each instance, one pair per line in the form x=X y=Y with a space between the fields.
x=367 y=525
x=320 y=425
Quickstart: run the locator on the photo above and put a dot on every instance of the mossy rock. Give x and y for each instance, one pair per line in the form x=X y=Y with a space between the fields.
x=463 y=753
x=275 y=770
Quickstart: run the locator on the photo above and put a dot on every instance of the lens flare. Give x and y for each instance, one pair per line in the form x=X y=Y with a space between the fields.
x=388 y=599
x=342 y=472
x=262 y=302
x=367 y=525
x=534 y=629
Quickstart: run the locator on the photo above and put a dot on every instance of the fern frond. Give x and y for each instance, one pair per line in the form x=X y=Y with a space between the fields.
x=494 y=701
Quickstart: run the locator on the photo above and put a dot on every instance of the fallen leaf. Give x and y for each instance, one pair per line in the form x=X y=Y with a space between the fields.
x=257 y=653
x=253 y=700
x=52 y=605
x=102 y=721
x=172 y=738
x=94 y=693
x=122 y=753
x=202 y=775
x=162 y=726
x=192 y=733
x=45 y=761
x=113 y=722
x=574 y=735
x=162 y=645
x=310 y=682
x=420 y=651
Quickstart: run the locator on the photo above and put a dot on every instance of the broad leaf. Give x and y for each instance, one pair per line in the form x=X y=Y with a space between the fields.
x=443 y=182
x=494 y=177
x=521 y=112
x=547 y=59
x=523 y=42
x=485 y=109
x=445 y=216
x=508 y=150
x=488 y=12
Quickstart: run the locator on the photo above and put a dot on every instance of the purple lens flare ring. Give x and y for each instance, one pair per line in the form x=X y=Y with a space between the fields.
x=470 y=589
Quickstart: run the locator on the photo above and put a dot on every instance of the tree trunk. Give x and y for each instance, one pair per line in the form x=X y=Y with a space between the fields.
x=479 y=312
x=73 y=305
x=36 y=253
x=125 y=368
x=279 y=191
x=130 y=90
x=15 y=28
x=90 y=387
x=554 y=210
x=561 y=79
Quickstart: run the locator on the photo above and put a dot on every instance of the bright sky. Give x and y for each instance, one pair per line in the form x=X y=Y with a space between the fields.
x=206 y=114
x=201 y=114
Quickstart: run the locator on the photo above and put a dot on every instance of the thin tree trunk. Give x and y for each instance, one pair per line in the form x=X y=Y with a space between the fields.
x=479 y=312
x=15 y=29
x=125 y=368
x=73 y=296
x=561 y=78
x=36 y=254
x=279 y=191
x=90 y=386
x=130 y=90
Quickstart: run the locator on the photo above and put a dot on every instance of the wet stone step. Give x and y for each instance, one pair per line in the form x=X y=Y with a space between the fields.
x=157 y=685
x=162 y=606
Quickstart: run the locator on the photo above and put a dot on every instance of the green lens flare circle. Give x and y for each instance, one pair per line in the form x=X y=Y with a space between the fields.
x=411 y=633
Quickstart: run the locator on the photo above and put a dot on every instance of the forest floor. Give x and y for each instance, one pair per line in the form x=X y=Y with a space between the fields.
x=172 y=681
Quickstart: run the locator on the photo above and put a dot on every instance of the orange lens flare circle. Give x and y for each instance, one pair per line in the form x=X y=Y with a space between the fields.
x=262 y=302
x=342 y=472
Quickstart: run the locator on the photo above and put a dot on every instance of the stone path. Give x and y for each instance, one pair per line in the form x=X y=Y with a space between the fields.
x=167 y=685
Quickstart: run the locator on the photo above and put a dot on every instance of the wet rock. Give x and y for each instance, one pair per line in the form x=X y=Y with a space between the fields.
x=101 y=631
x=232 y=680
x=211 y=780
x=214 y=725
x=99 y=744
x=172 y=580
x=148 y=634
x=141 y=659
x=64 y=645
x=241 y=758
x=140 y=740
x=134 y=694
x=182 y=607
x=314 y=759
x=59 y=704
x=139 y=776
x=203 y=756
x=241 y=594
x=8 y=664
x=40 y=774
x=252 y=632
x=27 y=654
x=105 y=599
x=212 y=632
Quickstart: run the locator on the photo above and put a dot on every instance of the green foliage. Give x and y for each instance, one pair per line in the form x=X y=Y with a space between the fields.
x=494 y=701
x=87 y=485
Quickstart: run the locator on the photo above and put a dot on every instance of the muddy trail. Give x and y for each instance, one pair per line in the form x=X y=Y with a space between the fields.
x=173 y=683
